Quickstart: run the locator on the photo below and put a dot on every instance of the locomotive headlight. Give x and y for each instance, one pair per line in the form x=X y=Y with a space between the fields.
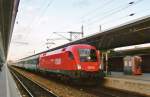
x=78 y=66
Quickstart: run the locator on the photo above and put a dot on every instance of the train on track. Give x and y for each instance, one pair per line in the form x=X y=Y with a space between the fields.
x=79 y=61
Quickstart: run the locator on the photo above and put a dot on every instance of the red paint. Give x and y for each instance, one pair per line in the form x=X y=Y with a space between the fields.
x=60 y=60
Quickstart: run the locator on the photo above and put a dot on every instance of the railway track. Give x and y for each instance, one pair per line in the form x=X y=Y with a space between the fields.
x=76 y=90
x=31 y=88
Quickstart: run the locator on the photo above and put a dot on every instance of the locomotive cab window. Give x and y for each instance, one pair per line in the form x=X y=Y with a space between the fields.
x=71 y=57
x=87 y=55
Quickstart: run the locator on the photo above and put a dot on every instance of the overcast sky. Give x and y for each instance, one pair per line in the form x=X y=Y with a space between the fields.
x=38 y=19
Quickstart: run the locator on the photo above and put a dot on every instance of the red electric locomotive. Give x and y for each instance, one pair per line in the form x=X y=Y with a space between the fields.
x=80 y=61
x=75 y=61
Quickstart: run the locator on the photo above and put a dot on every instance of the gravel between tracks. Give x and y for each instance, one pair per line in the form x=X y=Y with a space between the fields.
x=57 y=88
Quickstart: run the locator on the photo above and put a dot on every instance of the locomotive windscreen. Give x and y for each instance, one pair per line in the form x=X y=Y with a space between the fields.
x=87 y=55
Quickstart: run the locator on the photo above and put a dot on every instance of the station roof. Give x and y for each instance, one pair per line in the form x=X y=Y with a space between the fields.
x=136 y=51
x=8 y=11
x=131 y=52
x=131 y=33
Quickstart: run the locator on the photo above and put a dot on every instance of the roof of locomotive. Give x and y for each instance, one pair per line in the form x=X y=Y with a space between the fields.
x=81 y=45
x=74 y=45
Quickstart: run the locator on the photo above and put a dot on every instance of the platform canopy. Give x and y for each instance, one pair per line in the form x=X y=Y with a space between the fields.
x=8 y=11
x=132 y=33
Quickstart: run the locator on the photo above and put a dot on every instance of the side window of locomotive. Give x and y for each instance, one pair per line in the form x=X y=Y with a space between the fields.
x=71 y=57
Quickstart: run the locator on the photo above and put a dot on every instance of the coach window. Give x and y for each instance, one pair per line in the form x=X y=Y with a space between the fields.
x=71 y=57
x=37 y=61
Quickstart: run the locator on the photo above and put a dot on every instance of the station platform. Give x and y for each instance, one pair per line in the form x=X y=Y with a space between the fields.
x=133 y=83
x=8 y=86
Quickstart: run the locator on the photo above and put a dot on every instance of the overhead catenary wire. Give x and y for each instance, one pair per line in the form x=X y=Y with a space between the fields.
x=114 y=12
x=119 y=18
x=112 y=21
x=32 y=18
x=109 y=13
x=120 y=10
x=123 y=17
x=101 y=12
x=37 y=18
x=96 y=9
x=129 y=15
x=102 y=6
x=93 y=11
x=42 y=11
x=45 y=10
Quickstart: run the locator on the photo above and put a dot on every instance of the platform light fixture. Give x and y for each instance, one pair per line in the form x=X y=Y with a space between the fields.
x=131 y=2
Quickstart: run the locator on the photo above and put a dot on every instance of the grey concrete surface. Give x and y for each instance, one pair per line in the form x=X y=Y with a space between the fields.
x=133 y=83
x=3 y=90
x=143 y=77
x=8 y=86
